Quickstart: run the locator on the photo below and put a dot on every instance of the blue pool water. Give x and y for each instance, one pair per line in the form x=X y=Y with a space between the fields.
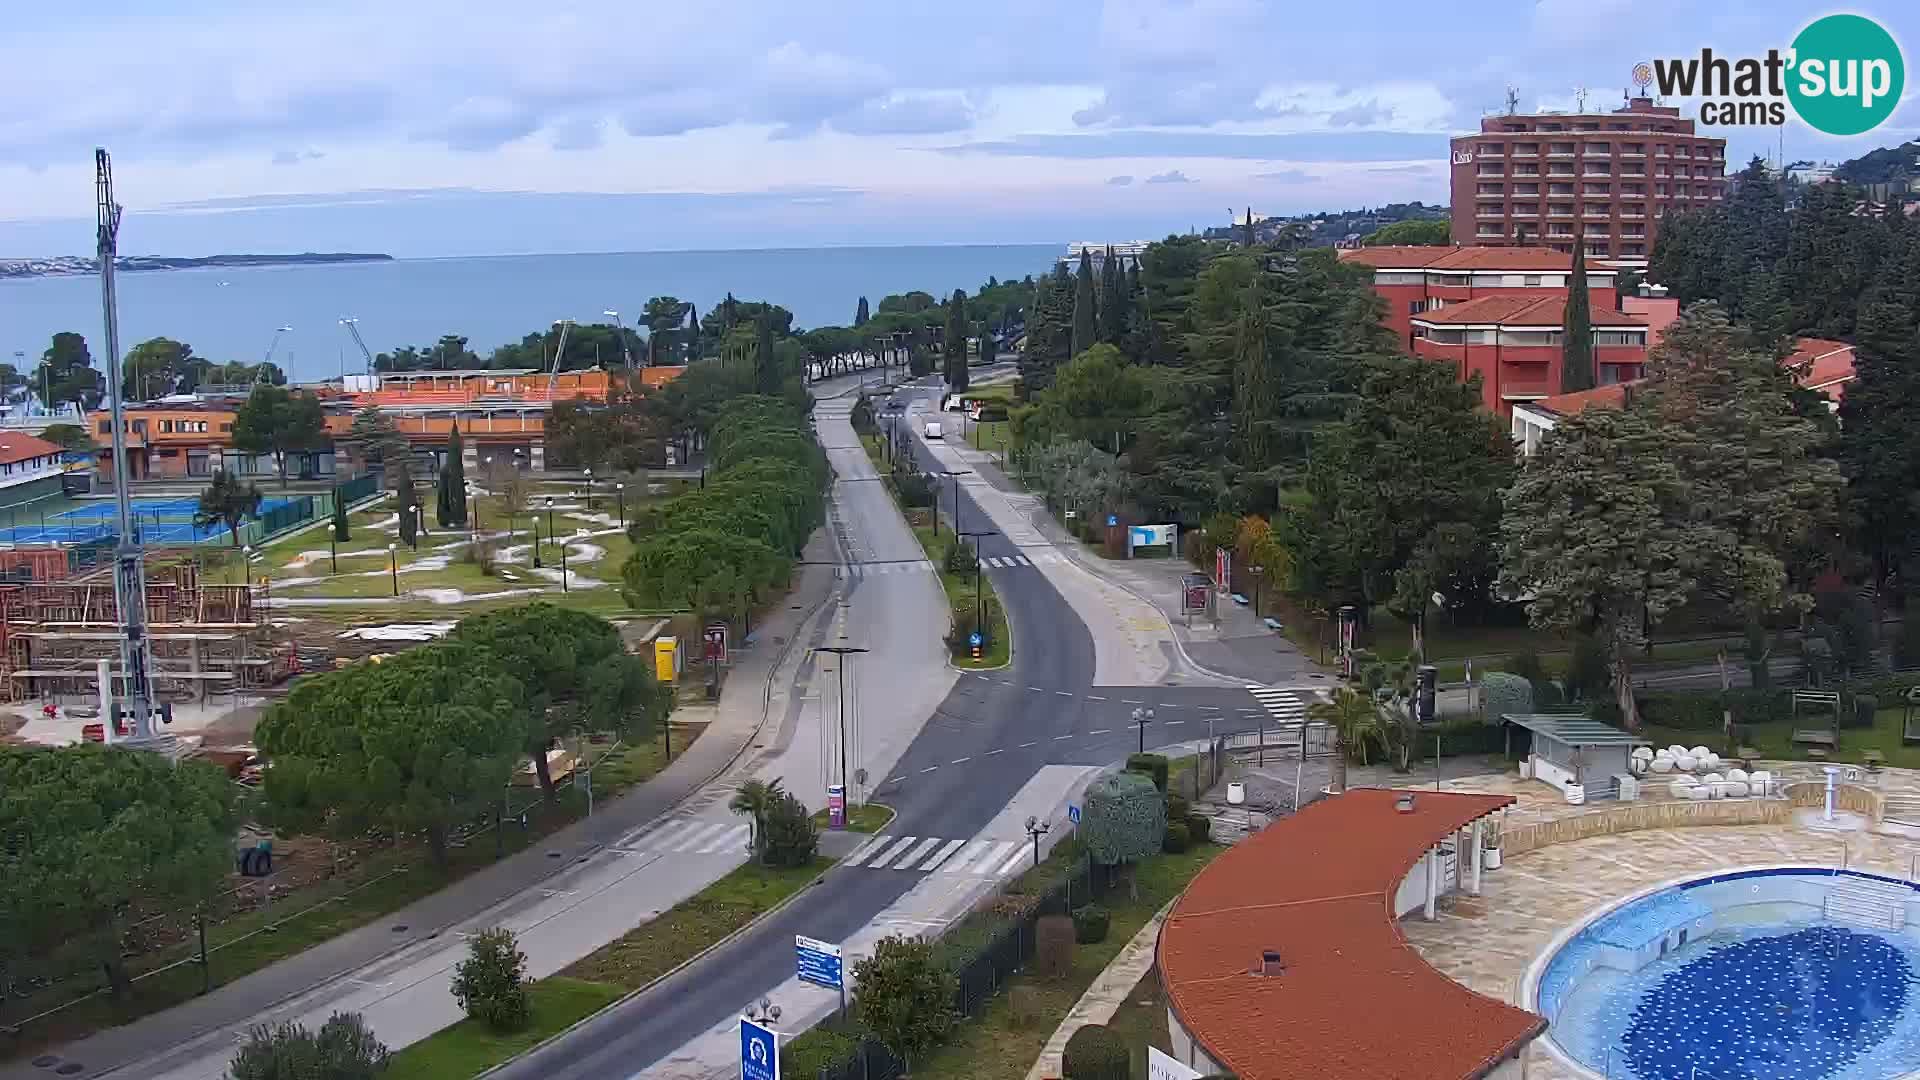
x=1761 y=988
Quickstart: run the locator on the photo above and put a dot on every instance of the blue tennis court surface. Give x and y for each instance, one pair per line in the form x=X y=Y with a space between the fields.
x=158 y=521
x=157 y=508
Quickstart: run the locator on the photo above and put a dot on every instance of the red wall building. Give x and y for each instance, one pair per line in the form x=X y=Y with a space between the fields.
x=1514 y=344
x=1416 y=280
x=1602 y=178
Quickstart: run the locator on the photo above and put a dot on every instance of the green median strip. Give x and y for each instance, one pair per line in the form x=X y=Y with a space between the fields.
x=959 y=586
x=863 y=818
x=469 y=1047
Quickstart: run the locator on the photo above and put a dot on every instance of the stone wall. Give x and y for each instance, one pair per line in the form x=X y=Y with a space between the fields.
x=1632 y=817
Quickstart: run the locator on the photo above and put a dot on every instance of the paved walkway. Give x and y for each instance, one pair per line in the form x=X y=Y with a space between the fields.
x=1105 y=996
x=738 y=721
x=1234 y=645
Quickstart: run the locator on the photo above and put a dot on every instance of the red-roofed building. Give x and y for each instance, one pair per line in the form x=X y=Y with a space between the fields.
x=30 y=467
x=1514 y=343
x=1414 y=280
x=1284 y=957
x=1823 y=365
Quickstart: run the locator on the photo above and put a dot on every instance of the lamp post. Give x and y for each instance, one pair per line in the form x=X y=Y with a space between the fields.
x=1256 y=570
x=563 y=561
x=473 y=509
x=589 y=491
x=1035 y=830
x=1141 y=718
x=419 y=522
x=620 y=496
x=533 y=520
x=393 y=566
x=955 y=475
x=840 y=668
x=979 y=601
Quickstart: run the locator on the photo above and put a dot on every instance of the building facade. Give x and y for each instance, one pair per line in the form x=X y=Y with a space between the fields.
x=1416 y=280
x=1515 y=345
x=1601 y=179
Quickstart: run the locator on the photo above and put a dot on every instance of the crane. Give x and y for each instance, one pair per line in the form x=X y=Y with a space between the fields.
x=353 y=327
x=626 y=352
x=271 y=345
x=129 y=574
x=559 y=350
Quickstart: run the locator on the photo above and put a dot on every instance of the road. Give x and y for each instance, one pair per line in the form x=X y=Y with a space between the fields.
x=982 y=743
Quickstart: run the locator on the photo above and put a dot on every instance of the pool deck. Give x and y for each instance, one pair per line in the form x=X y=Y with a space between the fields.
x=1488 y=942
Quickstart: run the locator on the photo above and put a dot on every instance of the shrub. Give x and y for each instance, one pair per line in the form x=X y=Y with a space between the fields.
x=1864 y=706
x=906 y=996
x=1506 y=694
x=914 y=488
x=791 y=837
x=1154 y=765
x=1090 y=924
x=1094 y=1052
x=960 y=559
x=1199 y=828
x=1176 y=840
x=490 y=984
x=343 y=1049
x=1527 y=664
x=1053 y=938
x=1023 y=1005
x=1177 y=807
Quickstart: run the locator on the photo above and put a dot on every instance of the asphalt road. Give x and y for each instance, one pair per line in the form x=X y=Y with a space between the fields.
x=1055 y=653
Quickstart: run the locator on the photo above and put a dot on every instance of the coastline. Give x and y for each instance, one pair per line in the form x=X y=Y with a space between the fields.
x=82 y=266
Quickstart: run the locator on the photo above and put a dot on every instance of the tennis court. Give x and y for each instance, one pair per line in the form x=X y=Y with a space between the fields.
x=157 y=521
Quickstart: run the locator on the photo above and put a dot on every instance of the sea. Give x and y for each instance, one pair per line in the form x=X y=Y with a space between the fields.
x=229 y=313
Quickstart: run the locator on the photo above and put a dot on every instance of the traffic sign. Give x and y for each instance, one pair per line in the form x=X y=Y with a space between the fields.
x=1073 y=813
x=819 y=962
x=1112 y=520
x=974 y=639
x=759 y=1052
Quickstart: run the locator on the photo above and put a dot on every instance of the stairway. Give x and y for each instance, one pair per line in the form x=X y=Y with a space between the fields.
x=1903 y=810
x=1880 y=905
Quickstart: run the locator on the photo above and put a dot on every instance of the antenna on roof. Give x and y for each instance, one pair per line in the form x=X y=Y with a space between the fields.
x=1513 y=100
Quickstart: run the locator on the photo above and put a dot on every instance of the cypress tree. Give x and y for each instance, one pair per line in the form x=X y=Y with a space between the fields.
x=450 y=503
x=1113 y=306
x=339 y=516
x=1138 y=337
x=1083 y=309
x=1576 y=350
x=860 y=314
x=766 y=368
x=954 y=342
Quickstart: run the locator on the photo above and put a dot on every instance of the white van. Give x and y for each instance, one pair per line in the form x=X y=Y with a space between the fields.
x=933 y=430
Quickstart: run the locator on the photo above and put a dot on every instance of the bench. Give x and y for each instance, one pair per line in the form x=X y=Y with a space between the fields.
x=1815 y=737
x=1817 y=753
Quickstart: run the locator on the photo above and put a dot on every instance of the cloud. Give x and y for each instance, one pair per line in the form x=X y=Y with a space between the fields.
x=1286 y=176
x=1410 y=167
x=1171 y=176
x=1119 y=181
x=1364 y=114
x=907 y=114
x=482 y=123
x=1287 y=146
x=285 y=157
x=580 y=133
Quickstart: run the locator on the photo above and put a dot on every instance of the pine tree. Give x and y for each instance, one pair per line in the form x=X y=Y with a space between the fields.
x=1083 y=308
x=450 y=503
x=692 y=334
x=1137 y=340
x=860 y=314
x=1576 y=356
x=1113 y=308
x=766 y=366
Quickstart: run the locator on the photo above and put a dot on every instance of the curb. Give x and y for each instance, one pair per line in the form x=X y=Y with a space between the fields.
x=675 y=970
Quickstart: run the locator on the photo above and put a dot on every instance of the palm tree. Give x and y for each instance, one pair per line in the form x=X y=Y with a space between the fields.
x=1355 y=721
x=755 y=798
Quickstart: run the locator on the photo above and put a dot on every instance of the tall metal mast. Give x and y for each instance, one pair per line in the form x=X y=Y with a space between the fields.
x=129 y=575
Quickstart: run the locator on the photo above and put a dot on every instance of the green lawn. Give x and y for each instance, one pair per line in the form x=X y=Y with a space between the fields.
x=1141 y=1021
x=1775 y=741
x=306 y=917
x=994 y=435
x=962 y=598
x=863 y=818
x=469 y=1048
x=680 y=933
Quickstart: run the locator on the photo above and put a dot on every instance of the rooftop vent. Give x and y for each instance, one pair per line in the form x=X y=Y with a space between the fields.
x=1269 y=963
x=1404 y=804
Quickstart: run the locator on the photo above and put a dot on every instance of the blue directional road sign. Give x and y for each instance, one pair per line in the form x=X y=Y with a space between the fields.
x=759 y=1052
x=1073 y=813
x=974 y=639
x=1113 y=519
x=819 y=962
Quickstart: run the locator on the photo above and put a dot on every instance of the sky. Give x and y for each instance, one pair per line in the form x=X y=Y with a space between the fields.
x=461 y=127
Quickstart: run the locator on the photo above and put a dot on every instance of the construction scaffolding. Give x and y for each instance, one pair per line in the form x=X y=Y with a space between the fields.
x=205 y=639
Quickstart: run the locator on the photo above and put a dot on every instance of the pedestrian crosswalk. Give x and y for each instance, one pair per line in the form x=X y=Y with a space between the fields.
x=691 y=838
x=921 y=566
x=1284 y=706
x=938 y=855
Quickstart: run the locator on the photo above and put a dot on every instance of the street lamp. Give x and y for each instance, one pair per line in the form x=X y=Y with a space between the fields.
x=473 y=508
x=840 y=669
x=620 y=496
x=1035 y=830
x=393 y=566
x=979 y=602
x=955 y=474
x=626 y=353
x=1256 y=570
x=589 y=491
x=764 y=1012
x=419 y=523
x=1141 y=718
x=533 y=519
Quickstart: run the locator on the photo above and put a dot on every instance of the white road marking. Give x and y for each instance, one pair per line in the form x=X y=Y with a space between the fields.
x=906 y=861
x=933 y=861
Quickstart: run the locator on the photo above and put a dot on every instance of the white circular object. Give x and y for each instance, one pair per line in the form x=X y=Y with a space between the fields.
x=1736 y=789
x=1676 y=750
x=1686 y=762
x=1681 y=789
x=1762 y=777
x=1576 y=794
x=1713 y=761
x=1737 y=774
x=1712 y=778
x=1700 y=751
x=1643 y=753
x=1662 y=765
x=1698 y=793
x=1236 y=793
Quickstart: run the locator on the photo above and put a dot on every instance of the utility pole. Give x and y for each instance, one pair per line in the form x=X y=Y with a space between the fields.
x=840 y=668
x=955 y=475
x=129 y=578
x=979 y=611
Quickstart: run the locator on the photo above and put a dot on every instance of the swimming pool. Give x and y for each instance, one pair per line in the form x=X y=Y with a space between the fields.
x=1772 y=973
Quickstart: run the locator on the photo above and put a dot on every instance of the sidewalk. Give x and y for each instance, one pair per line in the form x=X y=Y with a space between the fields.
x=750 y=698
x=1104 y=998
x=1236 y=646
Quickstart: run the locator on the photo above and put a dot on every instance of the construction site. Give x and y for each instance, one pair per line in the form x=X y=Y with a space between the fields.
x=212 y=647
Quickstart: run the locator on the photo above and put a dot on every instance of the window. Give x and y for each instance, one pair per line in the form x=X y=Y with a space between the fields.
x=105 y=428
x=1560 y=148
x=1398 y=277
x=1492 y=189
x=1531 y=280
x=1453 y=279
x=1619 y=337
x=1599 y=148
x=226 y=429
x=1526 y=338
x=1446 y=336
x=1479 y=337
x=166 y=426
x=1492 y=149
x=1415 y=307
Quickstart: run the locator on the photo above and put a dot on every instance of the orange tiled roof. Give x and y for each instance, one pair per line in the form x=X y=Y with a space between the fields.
x=1613 y=396
x=1408 y=257
x=1318 y=888
x=18 y=446
x=1821 y=364
x=1500 y=310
